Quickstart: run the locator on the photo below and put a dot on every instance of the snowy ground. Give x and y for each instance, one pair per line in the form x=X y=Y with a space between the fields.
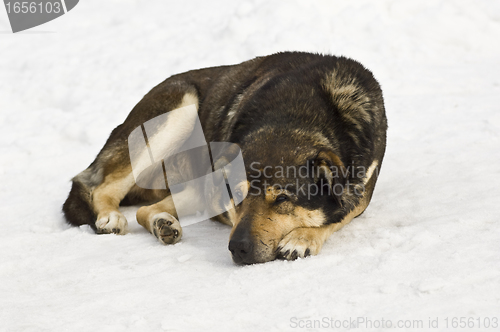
x=428 y=246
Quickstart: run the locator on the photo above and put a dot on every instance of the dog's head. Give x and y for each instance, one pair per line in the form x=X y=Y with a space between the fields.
x=289 y=184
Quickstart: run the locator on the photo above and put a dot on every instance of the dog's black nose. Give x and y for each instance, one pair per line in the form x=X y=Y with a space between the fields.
x=241 y=250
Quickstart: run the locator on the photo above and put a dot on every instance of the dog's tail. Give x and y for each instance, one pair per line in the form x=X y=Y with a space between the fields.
x=78 y=208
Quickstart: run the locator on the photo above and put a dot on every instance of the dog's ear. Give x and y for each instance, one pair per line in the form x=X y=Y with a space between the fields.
x=328 y=167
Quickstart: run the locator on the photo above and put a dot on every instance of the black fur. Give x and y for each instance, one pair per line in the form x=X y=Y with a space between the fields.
x=78 y=208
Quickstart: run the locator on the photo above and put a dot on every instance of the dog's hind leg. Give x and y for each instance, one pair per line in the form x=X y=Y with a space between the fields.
x=97 y=191
x=161 y=219
x=106 y=199
x=95 y=196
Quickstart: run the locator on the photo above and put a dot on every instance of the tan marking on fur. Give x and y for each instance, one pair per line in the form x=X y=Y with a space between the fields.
x=107 y=196
x=145 y=214
x=370 y=171
x=270 y=228
x=106 y=199
x=187 y=198
x=309 y=218
x=278 y=225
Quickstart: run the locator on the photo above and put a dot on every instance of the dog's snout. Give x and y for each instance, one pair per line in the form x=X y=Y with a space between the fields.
x=241 y=249
x=241 y=245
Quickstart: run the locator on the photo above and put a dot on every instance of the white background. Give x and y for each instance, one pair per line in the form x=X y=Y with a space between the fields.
x=427 y=246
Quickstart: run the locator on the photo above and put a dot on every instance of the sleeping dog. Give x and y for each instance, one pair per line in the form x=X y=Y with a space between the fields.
x=310 y=131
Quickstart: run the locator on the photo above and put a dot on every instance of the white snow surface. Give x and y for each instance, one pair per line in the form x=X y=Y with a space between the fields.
x=427 y=247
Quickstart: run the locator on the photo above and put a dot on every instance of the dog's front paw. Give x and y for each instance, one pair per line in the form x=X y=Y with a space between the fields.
x=301 y=242
x=113 y=222
x=166 y=228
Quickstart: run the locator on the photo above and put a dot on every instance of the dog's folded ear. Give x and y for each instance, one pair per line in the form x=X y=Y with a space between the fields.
x=328 y=167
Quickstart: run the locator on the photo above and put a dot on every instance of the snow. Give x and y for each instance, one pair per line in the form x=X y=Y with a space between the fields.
x=427 y=247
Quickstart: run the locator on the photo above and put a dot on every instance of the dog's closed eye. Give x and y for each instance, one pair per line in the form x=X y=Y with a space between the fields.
x=281 y=198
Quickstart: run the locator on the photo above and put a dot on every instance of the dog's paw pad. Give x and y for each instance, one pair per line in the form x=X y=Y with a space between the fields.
x=113 y=222
x=301 y=242
x=166 y=228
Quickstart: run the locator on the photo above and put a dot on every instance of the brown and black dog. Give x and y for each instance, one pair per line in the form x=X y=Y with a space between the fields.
x=312 y=132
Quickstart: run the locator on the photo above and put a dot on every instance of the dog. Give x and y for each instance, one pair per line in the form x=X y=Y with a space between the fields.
x=310 y=128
